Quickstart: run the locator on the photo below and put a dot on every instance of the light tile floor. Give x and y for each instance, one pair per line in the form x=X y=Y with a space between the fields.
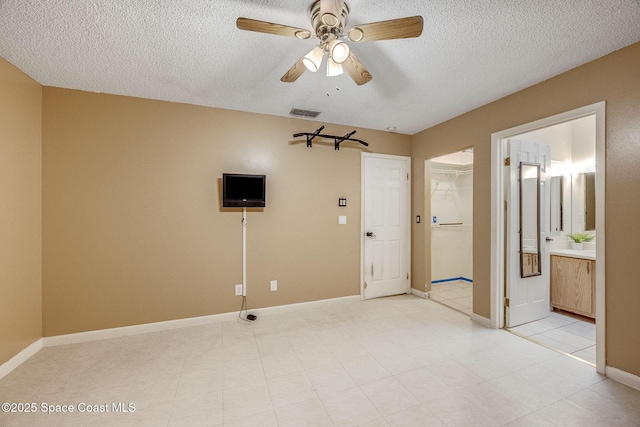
x=563 y=332
x=400 y=361
x=458 y=295
x=559 y=331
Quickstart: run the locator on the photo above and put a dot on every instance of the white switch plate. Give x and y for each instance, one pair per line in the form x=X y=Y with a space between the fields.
x=342 y=219
x=239 y=289
x=274 y=285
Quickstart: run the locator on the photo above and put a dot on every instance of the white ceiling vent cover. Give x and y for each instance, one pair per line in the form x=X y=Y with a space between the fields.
x=304 y=113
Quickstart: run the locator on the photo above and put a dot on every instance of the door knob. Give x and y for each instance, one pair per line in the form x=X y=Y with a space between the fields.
x=370 y=234
x=549 y=239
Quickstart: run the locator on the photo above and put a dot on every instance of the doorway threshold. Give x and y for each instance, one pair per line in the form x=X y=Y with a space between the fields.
x=573 y=356
x=567 y=334
x=457 y=295
x=444 y=304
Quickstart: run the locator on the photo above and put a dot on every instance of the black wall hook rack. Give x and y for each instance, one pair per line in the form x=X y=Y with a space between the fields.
x=337 y=140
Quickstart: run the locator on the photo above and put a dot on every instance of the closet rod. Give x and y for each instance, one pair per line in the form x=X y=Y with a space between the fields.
x=452 y=171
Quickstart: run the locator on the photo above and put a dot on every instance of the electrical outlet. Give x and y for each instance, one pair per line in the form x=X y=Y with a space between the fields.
x=238 y=289
x=274 y=285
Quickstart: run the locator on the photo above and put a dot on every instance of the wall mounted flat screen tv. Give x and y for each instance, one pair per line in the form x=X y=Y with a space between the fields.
x=243 y=190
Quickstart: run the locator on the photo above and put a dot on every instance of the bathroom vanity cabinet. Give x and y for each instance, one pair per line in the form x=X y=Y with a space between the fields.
x=573 y=285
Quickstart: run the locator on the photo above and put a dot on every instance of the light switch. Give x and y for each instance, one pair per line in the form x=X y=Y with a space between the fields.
x=342 y=219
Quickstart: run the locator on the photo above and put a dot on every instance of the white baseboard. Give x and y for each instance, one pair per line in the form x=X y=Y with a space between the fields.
x=301 y=305
x=482 y=320
x=423 y=295
x=623 y=377
x=20 y=358
x=103 y=334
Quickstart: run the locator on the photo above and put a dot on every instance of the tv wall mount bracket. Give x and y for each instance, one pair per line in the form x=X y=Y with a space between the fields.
x=337 y=140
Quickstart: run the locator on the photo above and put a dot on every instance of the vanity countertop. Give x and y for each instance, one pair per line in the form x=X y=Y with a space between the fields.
x=574 y=253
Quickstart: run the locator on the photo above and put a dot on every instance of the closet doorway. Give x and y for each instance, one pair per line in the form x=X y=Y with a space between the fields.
x=451 y=222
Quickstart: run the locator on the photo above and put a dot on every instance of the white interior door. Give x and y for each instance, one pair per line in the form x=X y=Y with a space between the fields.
x=386 y=225
x=527 y=298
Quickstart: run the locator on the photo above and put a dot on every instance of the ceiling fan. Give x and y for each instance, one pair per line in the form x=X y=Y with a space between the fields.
x=329 y=21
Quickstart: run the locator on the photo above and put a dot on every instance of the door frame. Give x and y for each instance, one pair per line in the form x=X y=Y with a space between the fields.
x=428 y=214
x=498 y=153
x=407 y=159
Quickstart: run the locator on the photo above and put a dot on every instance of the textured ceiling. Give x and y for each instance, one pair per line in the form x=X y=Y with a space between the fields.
x=470 y=53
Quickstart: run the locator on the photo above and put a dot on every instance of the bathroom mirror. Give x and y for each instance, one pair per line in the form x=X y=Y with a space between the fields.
x=556 y=191
x=529 y=219
x=590 y=201
x=583 y=202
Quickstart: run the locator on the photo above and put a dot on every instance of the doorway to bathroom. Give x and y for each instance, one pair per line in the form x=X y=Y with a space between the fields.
x=568 y=179
x=451 y=219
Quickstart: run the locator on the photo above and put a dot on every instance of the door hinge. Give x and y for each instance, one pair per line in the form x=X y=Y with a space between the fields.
x=507 y=161
x=407 y=276
x=365 y=285
x=506 y=302
x=407 y=176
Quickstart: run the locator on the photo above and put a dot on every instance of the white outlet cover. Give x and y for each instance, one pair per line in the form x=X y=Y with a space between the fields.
x=274 y=285
x=342 y=219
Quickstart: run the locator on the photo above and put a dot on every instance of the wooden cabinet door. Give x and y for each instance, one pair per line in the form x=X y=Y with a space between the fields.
x=573 y=285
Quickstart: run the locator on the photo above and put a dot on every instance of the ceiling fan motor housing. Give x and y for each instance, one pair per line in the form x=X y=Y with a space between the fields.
x=328 y=26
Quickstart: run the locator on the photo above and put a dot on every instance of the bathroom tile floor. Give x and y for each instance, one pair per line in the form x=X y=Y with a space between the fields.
x=398 y=361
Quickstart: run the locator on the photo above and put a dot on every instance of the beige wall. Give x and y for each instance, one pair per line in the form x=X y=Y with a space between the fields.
x=133 y=229
x=20 y=225
x=614 y=79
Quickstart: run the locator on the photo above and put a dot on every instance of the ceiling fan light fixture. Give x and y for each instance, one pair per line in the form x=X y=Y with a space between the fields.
x=333 y=68
x=338 y=51
x=313 y=59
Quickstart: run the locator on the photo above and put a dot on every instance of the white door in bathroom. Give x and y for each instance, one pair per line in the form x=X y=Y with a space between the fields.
x=385 y=225
x=527 y=298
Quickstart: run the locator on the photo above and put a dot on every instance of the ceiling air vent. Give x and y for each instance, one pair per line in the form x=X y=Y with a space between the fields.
x=304 y=113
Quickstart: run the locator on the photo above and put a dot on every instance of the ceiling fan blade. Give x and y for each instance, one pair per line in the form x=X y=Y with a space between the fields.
x=294 y=72
x=401 y=28
x=248 y=24
x=356 y=70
